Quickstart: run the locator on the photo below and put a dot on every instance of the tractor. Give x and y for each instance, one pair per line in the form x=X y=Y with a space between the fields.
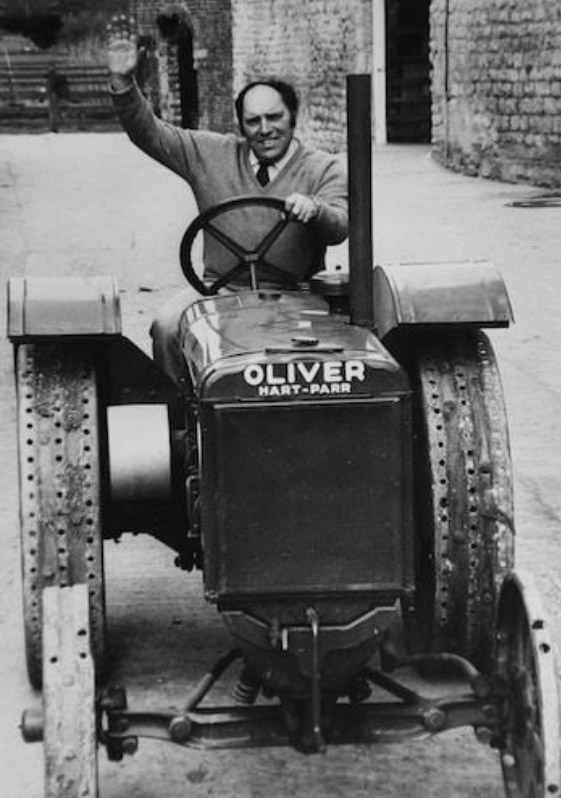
x=336 y=464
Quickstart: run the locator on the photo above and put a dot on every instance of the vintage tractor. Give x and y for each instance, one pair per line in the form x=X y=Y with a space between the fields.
x=337 y=465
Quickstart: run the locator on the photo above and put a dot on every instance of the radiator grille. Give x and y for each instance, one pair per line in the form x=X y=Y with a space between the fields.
x=306 y=498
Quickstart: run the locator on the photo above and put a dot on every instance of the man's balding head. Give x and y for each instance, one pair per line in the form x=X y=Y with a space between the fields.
x=285 y=90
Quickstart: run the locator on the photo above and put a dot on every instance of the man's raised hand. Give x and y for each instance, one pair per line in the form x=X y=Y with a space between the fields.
x=122 y=53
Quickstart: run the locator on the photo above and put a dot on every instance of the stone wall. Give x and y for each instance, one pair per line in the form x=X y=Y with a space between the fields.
x=497 y=88
x=211 y=24
x=311 y=43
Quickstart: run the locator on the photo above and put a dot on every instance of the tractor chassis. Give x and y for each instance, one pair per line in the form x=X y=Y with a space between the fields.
x=413 y=716
x=513 y=708
x=307 y=724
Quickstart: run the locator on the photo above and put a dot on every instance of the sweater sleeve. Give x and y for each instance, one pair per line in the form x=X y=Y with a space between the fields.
x=173 y=147
x=332 y=221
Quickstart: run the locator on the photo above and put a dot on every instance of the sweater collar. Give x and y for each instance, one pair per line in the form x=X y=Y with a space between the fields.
x=274 y=168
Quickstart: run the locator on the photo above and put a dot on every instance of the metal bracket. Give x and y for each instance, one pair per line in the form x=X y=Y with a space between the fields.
x=313 y=618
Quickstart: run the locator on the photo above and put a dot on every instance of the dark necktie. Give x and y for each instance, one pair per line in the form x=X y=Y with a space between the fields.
x=262 y=174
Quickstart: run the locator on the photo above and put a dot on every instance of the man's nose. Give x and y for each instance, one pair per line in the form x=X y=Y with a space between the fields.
x=264 y=126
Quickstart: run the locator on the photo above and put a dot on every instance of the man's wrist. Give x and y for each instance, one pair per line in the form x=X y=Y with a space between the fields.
x=120 y=83
x=317 y=207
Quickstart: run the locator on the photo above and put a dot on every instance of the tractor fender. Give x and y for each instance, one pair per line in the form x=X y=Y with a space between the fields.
x=52 y=307
x=469 y=293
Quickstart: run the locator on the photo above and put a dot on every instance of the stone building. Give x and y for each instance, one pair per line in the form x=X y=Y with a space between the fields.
x=496 y=88
x=191 y=44
x=480 y=79
x=312 y=43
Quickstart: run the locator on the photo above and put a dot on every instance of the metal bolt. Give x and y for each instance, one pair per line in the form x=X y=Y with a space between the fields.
x=180 y=729
x=483 y=734
x=509 y=761
x=118 y=724
x=490 y=712
x=434 y=719
x=113 y=698
x=481 y=686
x=129 y=745
x=32 y=725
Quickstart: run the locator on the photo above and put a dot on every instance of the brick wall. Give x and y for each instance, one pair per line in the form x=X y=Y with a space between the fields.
x=497 y=87
x=311 y=43
x=211 y=24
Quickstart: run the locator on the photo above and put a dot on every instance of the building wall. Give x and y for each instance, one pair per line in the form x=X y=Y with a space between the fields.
x=496 y=72
x=211 y=23
x=311 y=43
x=496 y=86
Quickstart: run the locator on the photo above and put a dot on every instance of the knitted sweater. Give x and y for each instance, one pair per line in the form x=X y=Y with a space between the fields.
x=217 y=168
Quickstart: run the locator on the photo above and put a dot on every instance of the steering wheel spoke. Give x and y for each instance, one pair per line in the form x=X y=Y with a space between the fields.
x=237 y=271
x=225 y=240
x=272 y=236
x=250 y=260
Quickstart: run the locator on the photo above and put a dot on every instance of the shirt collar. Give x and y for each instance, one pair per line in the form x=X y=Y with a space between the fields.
x=274 y=168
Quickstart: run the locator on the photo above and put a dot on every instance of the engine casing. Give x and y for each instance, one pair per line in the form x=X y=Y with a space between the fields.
x=304 y=444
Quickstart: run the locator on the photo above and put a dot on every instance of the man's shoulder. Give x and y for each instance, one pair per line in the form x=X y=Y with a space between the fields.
x=210 y=145
x=214 y=137
x=322 y=159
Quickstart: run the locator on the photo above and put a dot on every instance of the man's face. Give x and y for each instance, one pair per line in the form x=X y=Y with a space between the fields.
x=266 y=123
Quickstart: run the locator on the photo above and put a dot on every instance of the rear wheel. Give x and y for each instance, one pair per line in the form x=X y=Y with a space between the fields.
x=60 y=491
x=463 y=495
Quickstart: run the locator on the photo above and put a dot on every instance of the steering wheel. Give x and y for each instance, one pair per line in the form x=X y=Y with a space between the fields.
x=248 y=259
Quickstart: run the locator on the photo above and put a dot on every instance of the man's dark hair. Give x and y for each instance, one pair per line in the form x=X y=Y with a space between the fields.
x=286 y=91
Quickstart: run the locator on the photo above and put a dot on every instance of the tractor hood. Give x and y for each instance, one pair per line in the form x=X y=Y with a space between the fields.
x=270 y=345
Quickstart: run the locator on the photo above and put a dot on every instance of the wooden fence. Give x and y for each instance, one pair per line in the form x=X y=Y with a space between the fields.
x=53 y=91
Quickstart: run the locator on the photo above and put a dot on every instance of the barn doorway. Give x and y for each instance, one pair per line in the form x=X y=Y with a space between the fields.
x=408 y=103
x=187 y=76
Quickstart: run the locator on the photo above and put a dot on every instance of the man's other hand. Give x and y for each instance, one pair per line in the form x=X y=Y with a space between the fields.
x=301 y=208
x=122 y=53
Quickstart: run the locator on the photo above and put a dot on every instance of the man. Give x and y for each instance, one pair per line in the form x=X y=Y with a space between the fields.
x=267 y=161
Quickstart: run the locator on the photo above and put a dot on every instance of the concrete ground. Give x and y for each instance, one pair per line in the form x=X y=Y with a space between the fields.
x=91 y=204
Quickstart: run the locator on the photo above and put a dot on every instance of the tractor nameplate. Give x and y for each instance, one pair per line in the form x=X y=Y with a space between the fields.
x=305 y=378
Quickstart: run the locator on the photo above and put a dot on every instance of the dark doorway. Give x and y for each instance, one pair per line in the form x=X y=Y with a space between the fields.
x=178 y=33
x=408 y=71
x=188 y=89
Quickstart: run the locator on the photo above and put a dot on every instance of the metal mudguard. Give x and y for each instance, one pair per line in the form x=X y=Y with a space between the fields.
x=465 y=293
x=51 y=307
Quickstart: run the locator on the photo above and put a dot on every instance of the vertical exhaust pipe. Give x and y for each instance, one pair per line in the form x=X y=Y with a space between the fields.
x=359 y=156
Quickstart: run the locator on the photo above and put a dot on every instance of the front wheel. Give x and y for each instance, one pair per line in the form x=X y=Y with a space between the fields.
x=530 y=742
x=60 y=485
x=69 y=713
